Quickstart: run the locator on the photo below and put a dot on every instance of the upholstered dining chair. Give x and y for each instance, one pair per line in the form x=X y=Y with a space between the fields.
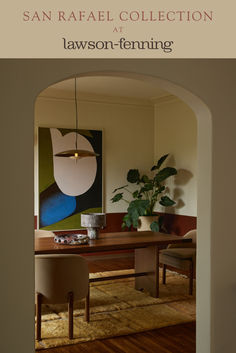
x=61 y=278
x=40 y=233
x=181 y=256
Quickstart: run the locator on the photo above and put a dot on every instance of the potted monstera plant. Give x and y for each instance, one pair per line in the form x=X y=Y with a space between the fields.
x=145 y=195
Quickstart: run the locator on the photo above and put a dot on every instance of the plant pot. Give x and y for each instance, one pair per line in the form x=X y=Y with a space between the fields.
x=145 y=222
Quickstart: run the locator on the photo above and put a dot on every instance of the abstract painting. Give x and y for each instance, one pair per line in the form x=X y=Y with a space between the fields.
x=68 y=187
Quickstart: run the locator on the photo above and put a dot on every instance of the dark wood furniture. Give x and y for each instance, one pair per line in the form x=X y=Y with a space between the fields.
x=190 y=274
x=145 y=244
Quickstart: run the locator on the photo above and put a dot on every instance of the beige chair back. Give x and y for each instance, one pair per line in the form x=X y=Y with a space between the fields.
x=40 y=233
x=57 y=275
x=192 y=234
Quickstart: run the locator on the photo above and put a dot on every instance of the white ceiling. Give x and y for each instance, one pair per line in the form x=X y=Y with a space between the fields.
x=112 y=86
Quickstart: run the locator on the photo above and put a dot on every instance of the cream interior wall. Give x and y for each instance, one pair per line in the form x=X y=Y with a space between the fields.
x=128 y=139
x=176 y=133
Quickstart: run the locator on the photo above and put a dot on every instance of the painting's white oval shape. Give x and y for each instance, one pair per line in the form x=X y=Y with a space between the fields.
x=72 y=177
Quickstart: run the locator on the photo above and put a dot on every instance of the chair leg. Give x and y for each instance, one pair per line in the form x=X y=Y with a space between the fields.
x=70 y=314
x=38 y=315
x=191 y=273
x=86 y=313
x=164 y=274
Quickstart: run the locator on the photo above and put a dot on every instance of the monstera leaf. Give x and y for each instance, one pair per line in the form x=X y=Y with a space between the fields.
x=166 y=201
x=121 y=187
x=137 y=208
x=155 y=226
x=147 y=187
x=164 y=174
x=135 y=194
x=127 y=221
x=145 y=179
x=160 y=162
x=117 y=197
x=133 y=176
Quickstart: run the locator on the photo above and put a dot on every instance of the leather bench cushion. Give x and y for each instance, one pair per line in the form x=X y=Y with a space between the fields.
x=179 y=258
x=181 y=253
x=175 y=262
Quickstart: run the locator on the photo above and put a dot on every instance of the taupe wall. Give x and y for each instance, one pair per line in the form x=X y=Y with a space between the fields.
x=213 y=82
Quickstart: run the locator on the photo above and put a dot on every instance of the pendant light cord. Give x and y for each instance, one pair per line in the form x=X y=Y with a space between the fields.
x=76 y=116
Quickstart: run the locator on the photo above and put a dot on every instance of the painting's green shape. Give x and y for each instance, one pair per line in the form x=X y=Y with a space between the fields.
x=72 y=222
x=46 y=177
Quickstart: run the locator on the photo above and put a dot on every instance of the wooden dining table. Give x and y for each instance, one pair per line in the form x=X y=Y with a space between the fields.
x=146 y=246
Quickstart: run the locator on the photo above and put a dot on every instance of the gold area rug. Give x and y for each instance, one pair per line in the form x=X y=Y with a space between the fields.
x=116 y=308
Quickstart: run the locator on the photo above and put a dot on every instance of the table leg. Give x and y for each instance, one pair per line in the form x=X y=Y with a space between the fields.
x=147 y=260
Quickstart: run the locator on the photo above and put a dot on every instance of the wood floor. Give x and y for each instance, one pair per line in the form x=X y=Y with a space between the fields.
x=174 y=339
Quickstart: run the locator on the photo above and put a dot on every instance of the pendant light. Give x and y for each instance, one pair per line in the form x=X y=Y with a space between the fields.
x=76 y=153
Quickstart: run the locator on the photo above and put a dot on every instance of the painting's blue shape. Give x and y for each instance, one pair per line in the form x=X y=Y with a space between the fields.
x=56 y=207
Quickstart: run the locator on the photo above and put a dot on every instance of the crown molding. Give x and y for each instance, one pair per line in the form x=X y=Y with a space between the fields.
x=166 y=99
x=97 y=98
x=106 y=99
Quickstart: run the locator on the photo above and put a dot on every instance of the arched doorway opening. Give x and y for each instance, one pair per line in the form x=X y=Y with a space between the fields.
x=204 y=200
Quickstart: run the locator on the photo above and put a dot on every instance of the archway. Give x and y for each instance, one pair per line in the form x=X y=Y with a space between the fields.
x=204 y=183
x=23 y=80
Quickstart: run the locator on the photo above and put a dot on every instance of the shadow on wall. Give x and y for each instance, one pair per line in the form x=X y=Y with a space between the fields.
x=180 y=179
x=173 y=223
